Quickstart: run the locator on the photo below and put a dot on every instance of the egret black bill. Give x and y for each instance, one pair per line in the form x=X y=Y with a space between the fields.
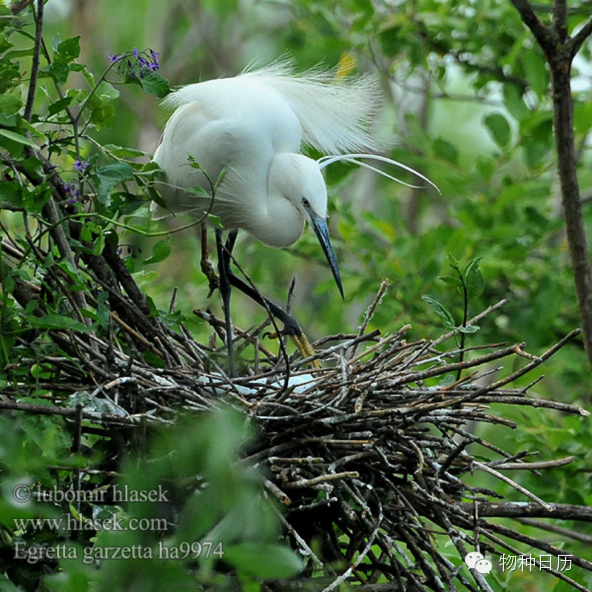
x=319 y=225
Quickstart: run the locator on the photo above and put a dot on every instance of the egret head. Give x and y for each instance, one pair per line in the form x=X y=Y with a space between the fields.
x=298 y=180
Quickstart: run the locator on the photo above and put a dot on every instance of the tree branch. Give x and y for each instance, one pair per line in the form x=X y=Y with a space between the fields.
x=35 y=61
x=530 y=510
x=20 y=5
x=570 y=191
x=578 y=39
x=560 y=19
x=559 y=52
x=542 y=33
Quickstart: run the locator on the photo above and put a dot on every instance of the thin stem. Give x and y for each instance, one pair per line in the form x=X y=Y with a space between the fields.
x=578 y=40
x=463 y=335
x=3 y=310
x=35 y=61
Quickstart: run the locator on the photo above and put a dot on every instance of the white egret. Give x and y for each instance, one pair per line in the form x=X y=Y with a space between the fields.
x=250 y=129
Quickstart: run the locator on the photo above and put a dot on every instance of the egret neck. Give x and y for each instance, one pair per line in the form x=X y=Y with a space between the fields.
x=296 y=192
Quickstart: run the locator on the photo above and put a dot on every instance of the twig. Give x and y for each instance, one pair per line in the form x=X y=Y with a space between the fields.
x=565 y=532
x=531 y=466
x=32 y=91
x=370 y=313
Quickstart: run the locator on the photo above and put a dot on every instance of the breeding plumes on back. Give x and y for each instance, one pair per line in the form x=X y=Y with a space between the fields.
x=335 y=114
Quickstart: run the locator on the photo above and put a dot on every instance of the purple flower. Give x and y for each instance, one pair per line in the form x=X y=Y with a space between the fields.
x=136 y=64
x=72 y=192
x=80 y=165
x=155 y=65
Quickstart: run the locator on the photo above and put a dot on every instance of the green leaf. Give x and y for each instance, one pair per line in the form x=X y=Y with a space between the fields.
x=535 y=71
x=68 y=50
x=59 y=105
x=485 y=167
x=153 y=359
x=103 y=307
x=11 y=193
x=514 y=102
x=17 y=138
x=440 y=310
x=103 y=116
x=59 y=71
x=535 y=154
x=474 y=279
x=99 y=244
x=10 y=104
x=57 y=322
x=392 y=40
x=499 y=129
x=453 y=262
x=155 y=84
x=106 y=92
x=109 y=176
x=262 y=560
x=215 y=220
x=451 y=281
x=582 y=116
x=6 y=585
x=57 y=39
x=33 y=201
x=160 y=251
x=32 y=130
x=445 y=150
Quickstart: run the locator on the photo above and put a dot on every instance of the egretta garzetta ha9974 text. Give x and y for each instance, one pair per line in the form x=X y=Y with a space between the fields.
x=248 y=131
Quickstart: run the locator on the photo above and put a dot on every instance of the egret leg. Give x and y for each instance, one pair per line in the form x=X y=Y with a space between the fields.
x=291 y=325
x=224 y=287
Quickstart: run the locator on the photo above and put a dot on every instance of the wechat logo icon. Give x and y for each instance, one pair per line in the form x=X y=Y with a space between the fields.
x=476 y=561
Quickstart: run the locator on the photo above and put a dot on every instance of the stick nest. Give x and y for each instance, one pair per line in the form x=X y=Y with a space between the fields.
x=374 y=457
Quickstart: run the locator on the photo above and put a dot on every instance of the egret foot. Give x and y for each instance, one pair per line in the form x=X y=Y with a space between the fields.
x=302 y=345
x=306 y=350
